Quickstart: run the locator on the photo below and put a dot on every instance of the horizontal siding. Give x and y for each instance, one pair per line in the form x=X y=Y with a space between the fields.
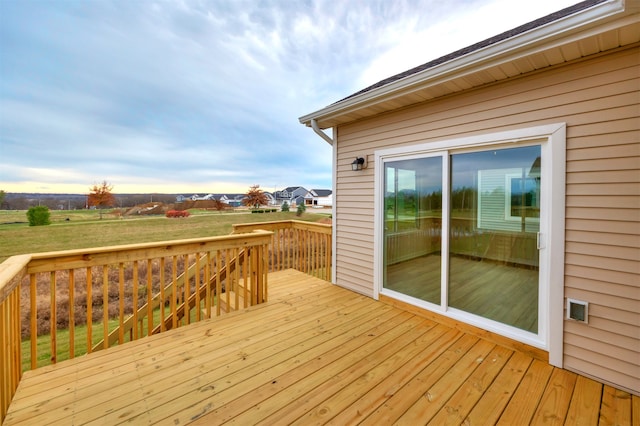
x=599 y=99
x=596 y=365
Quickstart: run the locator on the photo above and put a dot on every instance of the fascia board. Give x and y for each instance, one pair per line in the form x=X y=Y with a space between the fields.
x=530 y=42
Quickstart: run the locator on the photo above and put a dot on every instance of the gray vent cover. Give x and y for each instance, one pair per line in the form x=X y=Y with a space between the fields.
x=578 y=310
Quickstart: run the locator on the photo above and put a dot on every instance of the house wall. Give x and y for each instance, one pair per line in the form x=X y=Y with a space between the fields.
x=599 y=99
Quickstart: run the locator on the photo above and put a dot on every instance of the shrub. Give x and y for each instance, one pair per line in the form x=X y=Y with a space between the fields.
x=39 y=216
x=301 y=209
x=285 y=207
x=178 y=213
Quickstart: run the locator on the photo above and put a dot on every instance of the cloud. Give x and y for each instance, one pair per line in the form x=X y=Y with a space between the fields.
x=202 y=94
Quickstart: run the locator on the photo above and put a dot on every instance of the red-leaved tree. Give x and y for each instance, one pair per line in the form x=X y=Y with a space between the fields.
x=100 y=196
x=255 y=197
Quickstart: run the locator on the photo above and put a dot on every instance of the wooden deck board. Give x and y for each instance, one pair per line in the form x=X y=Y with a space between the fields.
x=314 y=354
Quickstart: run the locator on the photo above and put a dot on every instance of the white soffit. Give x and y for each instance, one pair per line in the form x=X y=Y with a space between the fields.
x=602 y=27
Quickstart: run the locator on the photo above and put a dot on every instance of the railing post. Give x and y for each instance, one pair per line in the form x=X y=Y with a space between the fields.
x=12 y=272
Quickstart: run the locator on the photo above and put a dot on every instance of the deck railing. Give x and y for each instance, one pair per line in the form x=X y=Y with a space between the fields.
x=59 y=305
x=296 y=244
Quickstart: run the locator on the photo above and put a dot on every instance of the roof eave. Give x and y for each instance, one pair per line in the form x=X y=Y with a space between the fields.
x=523 y=44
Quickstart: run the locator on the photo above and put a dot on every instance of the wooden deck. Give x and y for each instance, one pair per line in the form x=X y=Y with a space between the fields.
x=315 y=354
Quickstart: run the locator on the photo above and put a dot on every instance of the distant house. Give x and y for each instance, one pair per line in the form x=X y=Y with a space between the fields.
x=499 y=188
x=234 y=200
x=292 y=195
x=319 y=198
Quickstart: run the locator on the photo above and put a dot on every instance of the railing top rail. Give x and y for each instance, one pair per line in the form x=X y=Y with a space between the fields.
x=69 y=259
x=11 y=272
x=283 y=224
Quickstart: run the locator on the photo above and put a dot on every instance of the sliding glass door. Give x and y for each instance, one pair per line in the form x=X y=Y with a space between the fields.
x=495 y=219
x=488 y=231
x=413 y=227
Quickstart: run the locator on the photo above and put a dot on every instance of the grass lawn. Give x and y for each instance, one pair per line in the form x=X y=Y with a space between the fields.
x=84 y=229
x=43 y=350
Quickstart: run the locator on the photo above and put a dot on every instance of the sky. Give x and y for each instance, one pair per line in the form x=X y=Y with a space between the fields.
x=198 y=97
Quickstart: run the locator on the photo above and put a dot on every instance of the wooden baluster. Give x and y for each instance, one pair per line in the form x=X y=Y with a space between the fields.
x=89 y=281
x=187 y=291
x=307 y=251
x=207 y=280
x=134 y=289
x=285 y=250
x=245 y=277
x=228 y=284
x=196 y=279
x=265 y=273
x=72 y=320
x=174 y=276
x=255 y=274
x=233 y=277
x=121 y=303
x=163 y=298
x=149 y=296
x=5 y=366
x=328 y=256
x=271 y=255
x=279 y=266
x=218 y=283
x=315 y=252
x=304 y=251
x=105 y=306
x=291 y=258
x=299 y=249
x=33 y=316
x=53 y=325
x=16 y=340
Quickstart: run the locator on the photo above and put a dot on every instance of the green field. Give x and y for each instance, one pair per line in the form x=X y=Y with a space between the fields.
x=84 y=229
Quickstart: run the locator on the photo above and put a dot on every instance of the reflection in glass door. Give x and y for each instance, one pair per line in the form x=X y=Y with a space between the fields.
x=490 y=241
x=495 y=218
x=413 y=227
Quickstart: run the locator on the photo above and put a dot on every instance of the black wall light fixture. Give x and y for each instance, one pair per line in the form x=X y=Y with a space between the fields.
x=358 y=164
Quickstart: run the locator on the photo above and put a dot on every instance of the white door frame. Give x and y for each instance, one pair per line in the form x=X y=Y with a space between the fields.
x=552 y=138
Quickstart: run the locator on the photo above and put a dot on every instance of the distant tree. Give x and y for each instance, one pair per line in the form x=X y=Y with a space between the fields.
x=100 y=196
x=219 y=205
x=285 y=207
x=39 y=216
x=301 y=209
x=255 y=197
x=2 y=197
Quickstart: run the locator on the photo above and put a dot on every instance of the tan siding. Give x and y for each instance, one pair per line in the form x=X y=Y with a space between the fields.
x=609 y=226
x=609 y=201
x=600 y=327
x=604 y=275
x=596 y=365
x=627 y=253
x=622 y=304
x=599 y=99
x=577 y=144
x=596 y=345
x=619 y=149
x=603 y=176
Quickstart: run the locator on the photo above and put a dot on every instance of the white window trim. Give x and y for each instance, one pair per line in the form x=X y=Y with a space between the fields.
x=507 y=201
x=552 y=138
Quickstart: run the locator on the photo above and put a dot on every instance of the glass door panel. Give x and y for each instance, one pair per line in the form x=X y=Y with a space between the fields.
x=413 y=227
x=495 y=218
